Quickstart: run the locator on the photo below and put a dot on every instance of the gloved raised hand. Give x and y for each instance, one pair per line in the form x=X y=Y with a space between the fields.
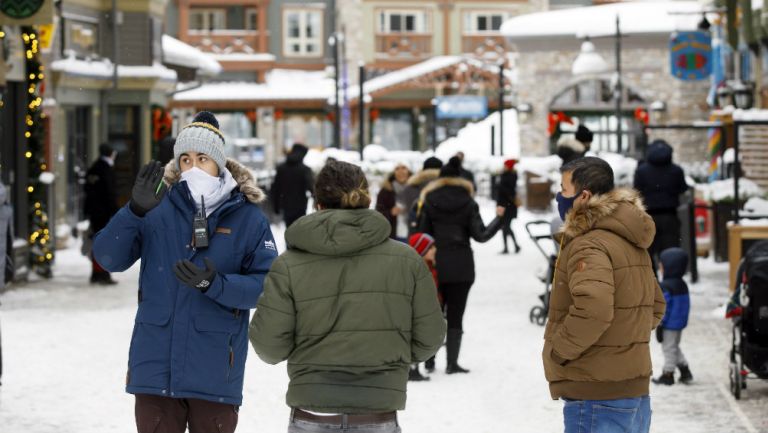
x=660 y=334
x=149 y=189
x=193 y=276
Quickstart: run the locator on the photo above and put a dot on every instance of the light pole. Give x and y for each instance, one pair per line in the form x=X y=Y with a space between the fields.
x=619 y=90
x=361 y=101
x=334 y=42
x=501 y=108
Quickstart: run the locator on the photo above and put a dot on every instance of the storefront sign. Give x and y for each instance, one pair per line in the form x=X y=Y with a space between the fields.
x=691 y=55
x=461 y=107
x=26 y=12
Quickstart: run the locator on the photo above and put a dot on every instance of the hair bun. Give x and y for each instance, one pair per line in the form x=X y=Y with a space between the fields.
x=206 y=117
x=356 y=199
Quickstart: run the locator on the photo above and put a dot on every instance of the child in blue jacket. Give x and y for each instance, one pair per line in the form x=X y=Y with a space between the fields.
x=674 y=262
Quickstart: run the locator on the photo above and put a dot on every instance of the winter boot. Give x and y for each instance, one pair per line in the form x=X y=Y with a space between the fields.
x=685 y=374
x=414 y=375
x=430 y=365
x=667 y=378
x=452 y=348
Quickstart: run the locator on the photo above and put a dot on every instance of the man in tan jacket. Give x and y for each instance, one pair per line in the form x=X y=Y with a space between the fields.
x=605 y=302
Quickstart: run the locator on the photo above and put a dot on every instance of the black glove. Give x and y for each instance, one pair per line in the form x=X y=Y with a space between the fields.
x=149 y=189
x=660 y=334
x=191 y=275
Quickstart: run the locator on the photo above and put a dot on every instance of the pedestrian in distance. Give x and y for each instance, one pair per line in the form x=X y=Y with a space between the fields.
x=101 y=203
x=466 y=174
x=661 y=182
x=452 y=217
x=350 y=309
x=604 y=305
x=205 y=249
x=507 y=198
x=430 y=171
x=672 y=265
x=391 y=202
x=292 y=185
x=424 y=244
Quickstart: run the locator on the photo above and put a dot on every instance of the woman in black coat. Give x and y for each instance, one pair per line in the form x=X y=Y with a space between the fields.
x=452 y=217
x=507 y=198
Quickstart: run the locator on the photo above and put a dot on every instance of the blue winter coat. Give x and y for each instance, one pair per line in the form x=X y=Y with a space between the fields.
x=189 y=344
x=659 y=180
x=675 y=261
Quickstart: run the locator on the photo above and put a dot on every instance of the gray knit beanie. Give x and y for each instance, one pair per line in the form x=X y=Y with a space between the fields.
x=202 y=136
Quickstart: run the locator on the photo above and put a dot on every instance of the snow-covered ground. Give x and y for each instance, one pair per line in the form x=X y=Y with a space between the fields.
x=65 y=347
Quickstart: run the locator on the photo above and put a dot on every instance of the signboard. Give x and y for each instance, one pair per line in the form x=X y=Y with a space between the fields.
x=461 y=107
x=691 y=55
x=26 y=12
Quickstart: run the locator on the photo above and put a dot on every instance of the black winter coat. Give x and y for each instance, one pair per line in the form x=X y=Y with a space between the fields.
x=507 y=193
x=659 y=181
x=100 y=195
x=452 y=217
x=386 y=200
x=292 y=182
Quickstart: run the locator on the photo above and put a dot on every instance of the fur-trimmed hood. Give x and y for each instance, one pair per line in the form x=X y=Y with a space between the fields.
x=424 y=177
x=620 y=211
x=444 y=202
x=240 y=173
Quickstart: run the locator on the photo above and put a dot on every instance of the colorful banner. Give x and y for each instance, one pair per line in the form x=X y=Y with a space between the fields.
x=691 y=55
x=714 y=151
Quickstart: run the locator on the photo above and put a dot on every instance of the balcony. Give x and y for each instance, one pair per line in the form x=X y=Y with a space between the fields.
x=226 y=41
x=403 y=46
x=487 y=46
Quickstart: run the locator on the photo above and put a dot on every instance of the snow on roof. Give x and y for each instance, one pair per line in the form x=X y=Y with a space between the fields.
x=641 y=17
x=103 y=68
x=244 y=57
x=281 y=84
x=176 y=52
x=410 y=72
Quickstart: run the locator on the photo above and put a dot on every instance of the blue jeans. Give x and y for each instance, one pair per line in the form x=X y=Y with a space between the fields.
x=629 y=415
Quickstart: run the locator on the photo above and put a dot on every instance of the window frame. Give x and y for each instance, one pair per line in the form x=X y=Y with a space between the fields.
x=207 y=14
x=471 y=17
x=251 y=12
x=422 y=22
x=303 y=40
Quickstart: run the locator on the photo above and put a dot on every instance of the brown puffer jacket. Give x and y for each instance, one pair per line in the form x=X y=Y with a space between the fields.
x=605 y=302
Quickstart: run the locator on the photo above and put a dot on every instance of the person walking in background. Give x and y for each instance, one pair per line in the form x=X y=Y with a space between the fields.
x=429 y=172
x=391 y=202
x=466 y=174
x=507 y=198
x=349 y=309
x=452 y=217
x=424 y=244
x=101 y=203
x=292 y=186
x=673 y=263
x=205 y=249
x=661 y=182
x=604 y=305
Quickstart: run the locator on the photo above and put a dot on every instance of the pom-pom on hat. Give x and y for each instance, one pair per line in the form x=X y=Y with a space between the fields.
x=202 y=136
x=584 y=135
x=452 y=169
x=432 y=163
x=421 y=242
x=510 y=164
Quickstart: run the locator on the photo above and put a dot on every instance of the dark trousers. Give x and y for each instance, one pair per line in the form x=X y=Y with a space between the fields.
x=291 y=217
x=156 y=414
x=98 y=273
x=667 y=235
x=506 y=227
x=455 y=297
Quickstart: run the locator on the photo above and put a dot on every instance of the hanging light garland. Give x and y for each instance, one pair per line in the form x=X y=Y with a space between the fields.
x=41 y=249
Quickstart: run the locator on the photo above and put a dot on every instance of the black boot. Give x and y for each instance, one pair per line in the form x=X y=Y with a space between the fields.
x=452 y=349
x=415 y=375
x=430 y=365
x=685 y=374
x=665 y=379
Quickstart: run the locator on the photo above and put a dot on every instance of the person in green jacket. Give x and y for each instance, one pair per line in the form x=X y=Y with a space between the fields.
x=349 y=309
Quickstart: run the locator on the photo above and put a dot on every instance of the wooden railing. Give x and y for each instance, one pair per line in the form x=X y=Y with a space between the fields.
x=407 y=46
x=482 y=45
x=224 y=38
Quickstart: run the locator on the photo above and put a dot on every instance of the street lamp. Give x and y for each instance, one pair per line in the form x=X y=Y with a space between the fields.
x=334 y=41
x=589 y=61
x=743 y=95
x=658 y=108
x=724 y=96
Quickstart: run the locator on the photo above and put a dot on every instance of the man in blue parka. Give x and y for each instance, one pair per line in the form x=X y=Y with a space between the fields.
x=205 y=249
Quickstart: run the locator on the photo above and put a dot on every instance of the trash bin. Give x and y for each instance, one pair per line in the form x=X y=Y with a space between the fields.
x=538 y=192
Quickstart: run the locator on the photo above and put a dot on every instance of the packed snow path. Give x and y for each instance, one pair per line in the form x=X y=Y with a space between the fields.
x=65 y=348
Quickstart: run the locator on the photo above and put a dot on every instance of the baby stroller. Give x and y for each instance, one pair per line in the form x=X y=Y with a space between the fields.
x=748 y=310
x=539 y=313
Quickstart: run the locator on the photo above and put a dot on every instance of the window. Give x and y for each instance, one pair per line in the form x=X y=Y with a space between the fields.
x=303 y=33
x=207 y=19
x=393 y=21
x=484 y=22
x=251 y=19
x=81 y=38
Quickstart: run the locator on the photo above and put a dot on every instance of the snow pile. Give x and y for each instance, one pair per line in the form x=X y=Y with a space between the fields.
x=722 y=190
x=475 y=141
x=756 y=206
x=176 y=52
x=281 y=84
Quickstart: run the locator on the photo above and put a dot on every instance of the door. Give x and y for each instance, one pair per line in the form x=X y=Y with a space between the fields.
x=123 y=135
x=78 y=133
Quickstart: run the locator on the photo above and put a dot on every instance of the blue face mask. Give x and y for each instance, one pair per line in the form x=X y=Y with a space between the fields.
x=564 y=204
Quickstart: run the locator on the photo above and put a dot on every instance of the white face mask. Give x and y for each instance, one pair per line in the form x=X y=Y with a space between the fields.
x=214 y=190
